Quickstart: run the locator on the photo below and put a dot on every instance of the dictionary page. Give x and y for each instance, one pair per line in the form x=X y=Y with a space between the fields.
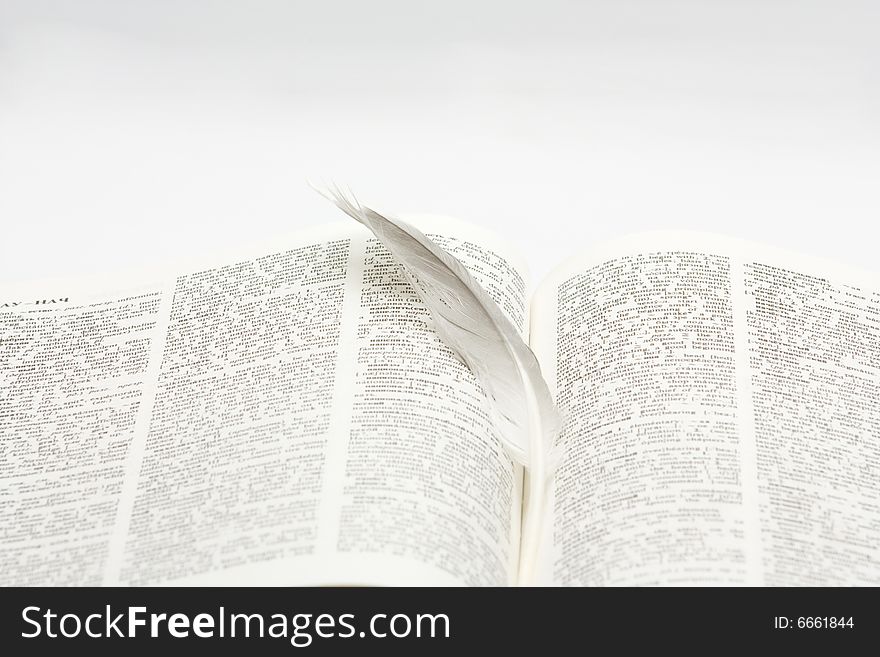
x=282 y=415
x=722 y=416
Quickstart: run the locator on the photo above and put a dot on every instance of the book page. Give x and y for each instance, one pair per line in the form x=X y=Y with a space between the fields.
x=283 y=415
x=722 y=416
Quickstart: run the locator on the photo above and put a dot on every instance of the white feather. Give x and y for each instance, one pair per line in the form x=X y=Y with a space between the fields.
x=469 y=321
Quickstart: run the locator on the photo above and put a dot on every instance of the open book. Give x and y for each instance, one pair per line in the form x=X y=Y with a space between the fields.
x=286 y=415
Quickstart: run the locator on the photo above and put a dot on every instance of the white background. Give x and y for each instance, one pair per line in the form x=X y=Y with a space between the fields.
x=137 y=132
